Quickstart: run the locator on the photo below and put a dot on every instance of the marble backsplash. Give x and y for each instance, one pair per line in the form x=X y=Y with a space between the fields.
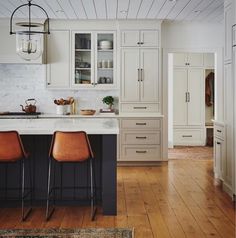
x=20 y=82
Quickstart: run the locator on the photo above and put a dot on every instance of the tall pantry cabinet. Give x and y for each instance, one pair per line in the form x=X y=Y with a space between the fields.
x=141 y=133
x=188 y=94
x=139 y=71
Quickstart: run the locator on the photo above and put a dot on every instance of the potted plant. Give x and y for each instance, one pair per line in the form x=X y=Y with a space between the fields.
x=109 y=100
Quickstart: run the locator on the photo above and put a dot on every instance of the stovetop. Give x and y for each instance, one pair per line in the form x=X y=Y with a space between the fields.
x=18 y=115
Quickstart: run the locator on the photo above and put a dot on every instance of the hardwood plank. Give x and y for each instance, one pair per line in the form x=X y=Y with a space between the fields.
x=179 y=199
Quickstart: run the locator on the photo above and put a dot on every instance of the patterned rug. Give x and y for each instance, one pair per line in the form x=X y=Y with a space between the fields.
x=69 y=233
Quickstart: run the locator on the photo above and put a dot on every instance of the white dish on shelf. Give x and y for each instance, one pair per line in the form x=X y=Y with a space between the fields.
x=105 y=44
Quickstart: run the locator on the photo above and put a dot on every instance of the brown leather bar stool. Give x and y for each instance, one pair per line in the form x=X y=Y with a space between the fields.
x=71 y=147
x=11 y=151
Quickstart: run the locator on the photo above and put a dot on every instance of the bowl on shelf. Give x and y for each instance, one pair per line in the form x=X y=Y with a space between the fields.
x=87 y=112
x=105 y=44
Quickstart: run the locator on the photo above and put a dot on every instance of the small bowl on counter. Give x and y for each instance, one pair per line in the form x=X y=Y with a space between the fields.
x=87 y=112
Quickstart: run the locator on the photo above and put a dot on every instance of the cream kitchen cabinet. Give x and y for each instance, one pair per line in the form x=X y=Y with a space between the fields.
x=139 y=76
x=228 y=23
x=139 y=38
x=188 y=59
x=188 y=97
x=58 y=59
x=140 y=139
x=209 y=60
x=93 y=59
x=188 y=106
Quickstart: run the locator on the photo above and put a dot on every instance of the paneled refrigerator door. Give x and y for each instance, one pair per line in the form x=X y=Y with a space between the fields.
x=180 y=88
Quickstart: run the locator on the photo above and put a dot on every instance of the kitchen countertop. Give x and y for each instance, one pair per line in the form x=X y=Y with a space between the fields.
x=47 y=126
x=123 y=115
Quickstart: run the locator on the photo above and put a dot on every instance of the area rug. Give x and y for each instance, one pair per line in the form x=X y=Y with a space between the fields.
x=69 y=233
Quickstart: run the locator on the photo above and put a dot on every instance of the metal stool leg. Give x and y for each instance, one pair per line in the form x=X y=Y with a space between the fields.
x=92 y=195
x=48 y=211
x=24 y=214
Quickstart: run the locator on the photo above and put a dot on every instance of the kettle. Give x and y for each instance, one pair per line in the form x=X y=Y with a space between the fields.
x=29 y=108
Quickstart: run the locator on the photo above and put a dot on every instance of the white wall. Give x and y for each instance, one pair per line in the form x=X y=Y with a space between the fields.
x=192 y=37
x=19 y=82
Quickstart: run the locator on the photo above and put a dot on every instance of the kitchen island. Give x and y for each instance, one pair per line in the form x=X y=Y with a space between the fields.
x=36 y=135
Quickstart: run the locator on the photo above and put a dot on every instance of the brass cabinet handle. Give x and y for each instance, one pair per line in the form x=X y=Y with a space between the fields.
x=218 y=143
x=219 y=131
x=186 y=97
x=141 y=151
x=141 y=137
x=140 y=107
x=187 y=136
x=138 y=75
x=141 y=124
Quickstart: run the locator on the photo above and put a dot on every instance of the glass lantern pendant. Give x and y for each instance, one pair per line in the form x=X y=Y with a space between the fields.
x=29 y=43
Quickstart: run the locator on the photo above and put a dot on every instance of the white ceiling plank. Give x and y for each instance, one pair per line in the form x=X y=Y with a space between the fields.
x=111 y=6
x=79 y=9
x=219 y=18
x=35 y=12
x=144 y=9
x=46 y=7
x=133 y=8
x=56 y=8
x=215 y=13
x=89 y=9
x=100 y=6
x=7 y=8
x=211 y=8
x=168 y=6
x=155 y=8
x=204 y=4
x=67 y=8
x=188 y=9
x=179 y=6
x=123 y=5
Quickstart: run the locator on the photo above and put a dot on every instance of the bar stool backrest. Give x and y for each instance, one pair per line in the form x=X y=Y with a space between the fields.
x=11 y=147
x=70 y=146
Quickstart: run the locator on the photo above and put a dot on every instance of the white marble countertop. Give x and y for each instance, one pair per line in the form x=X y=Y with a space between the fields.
x=47 y=126
x=105 y=115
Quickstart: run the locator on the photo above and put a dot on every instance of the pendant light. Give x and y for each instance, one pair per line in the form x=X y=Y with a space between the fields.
x=29 y=40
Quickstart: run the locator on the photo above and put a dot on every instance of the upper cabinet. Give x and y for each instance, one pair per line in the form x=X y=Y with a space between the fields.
x=228 y=22
x=186 y=59
x=93 y=59
x=139 y=38
x=8 y=53
x=58 y=59
x=81 y=60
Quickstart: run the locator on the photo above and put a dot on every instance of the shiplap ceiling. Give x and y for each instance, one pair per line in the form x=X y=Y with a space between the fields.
x=179 y=10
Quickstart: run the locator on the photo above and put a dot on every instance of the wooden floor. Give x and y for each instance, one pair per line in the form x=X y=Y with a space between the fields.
x=178 y=199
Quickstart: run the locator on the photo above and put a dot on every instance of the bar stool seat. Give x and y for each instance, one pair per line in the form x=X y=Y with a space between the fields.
x=71 y=147
x=11 y=151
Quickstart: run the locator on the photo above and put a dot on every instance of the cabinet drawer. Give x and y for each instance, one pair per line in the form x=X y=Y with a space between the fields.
x=141 y=153
x=219 y=131
x=188 y=137
x=140 y=138
x=147 y=107
x=140 y=124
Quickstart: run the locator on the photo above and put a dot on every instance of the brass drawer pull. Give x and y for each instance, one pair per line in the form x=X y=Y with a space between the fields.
x=218 y=143
x=219 y=131
x=141 y=137
x=187 y=136
x=141 y=151
x=141 y=124
x=140 y=107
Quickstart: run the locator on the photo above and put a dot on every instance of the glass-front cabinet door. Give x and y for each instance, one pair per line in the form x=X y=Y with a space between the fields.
x=105 y=60
x=93 y=59
x=82 y=59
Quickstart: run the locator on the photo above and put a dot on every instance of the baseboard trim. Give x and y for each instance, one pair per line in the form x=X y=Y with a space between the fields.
x=228 y=189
